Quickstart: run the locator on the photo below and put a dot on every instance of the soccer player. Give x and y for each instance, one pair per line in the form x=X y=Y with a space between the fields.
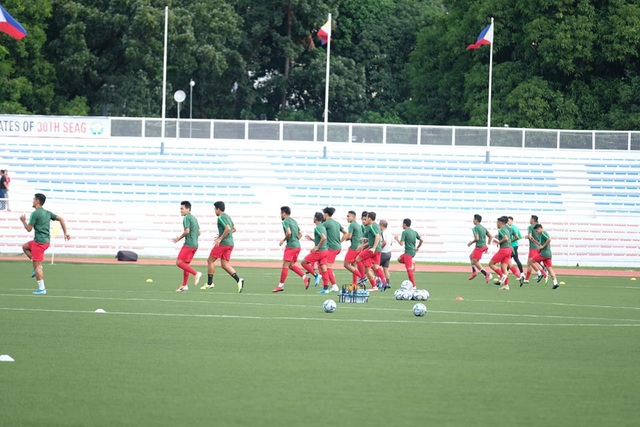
x=515 y=237
x=190 y=233
x=370 y=253
x=354 y=235
x=334 y=240
x=534 y=249
x=40 y=221
x=408 y=239
x=544 y=254
x=318 y=252
x=292 y=235
x=500 y=260
x=222 y=248
x=480 y=235
x=385 y=255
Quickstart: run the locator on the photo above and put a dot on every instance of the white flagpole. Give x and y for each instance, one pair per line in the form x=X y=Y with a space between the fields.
x=164 y=70
x=490 y=78
x=326 y=89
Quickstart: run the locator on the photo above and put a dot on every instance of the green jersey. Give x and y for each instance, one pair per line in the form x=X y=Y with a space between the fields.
x=409 y=237
x=546 y=251
x=532 y=244
x=291 y=224
x=191 y=240
x=370 y=233
x=515 y=235
x=223 y=221
x=479 y=230
x=41 y=219
x=333 y=228
x=317 y=236
x=505 y=231
x=355 y=230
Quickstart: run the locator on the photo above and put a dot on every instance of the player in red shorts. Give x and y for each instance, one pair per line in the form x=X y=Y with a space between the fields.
x=190 y=233
x=40 y=221
x=318 y=253
x=500 y=260
x=292 y=237
x=354 y=235
x=480 y=237
x=408 y=239
x=534 y=249
x=544 y=255
x=222 y=248
x=370 y=253
x=334 y=247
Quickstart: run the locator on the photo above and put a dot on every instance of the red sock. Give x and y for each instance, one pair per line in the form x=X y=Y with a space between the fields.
x=412 y=277
x=354 y=278
x=309 y=267
x=332 y=276
x=283 y=274
x=187 y=268
x=325 y=278
x=380 y=274
x=515 y=271
x=297 y=270
x=361 y=269
x=526 y=277
x=185 y=278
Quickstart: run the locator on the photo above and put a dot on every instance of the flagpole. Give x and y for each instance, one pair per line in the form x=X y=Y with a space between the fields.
x=490 y=79
x=326 y=88
x=164 y=71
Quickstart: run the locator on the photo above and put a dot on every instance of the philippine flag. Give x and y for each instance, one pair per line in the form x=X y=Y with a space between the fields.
x=11 y=26
x=485 y=37
x=324 y=33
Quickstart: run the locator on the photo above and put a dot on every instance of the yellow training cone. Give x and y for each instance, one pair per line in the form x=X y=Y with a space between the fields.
x=149 y=280
x=633 y=278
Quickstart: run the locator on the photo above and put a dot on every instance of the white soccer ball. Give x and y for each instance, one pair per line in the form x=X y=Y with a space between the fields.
x=419 y=309
x=407 y=295
x=398 y=294
x=406 y=285
x=329 y=306
x=420 y=295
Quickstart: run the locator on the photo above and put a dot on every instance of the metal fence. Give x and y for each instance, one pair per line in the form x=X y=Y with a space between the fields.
x=376 y=134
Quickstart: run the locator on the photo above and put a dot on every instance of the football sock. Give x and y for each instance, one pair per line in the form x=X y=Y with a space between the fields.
x=309 y=268
x=297 y=270
x=361 y=268
x=483 y=271
x=528 y=275
x=325 y=278
x=209 y=279
x=236 y=277
x=332 y=276
x=412 y=277
x=473 y=268
x=185 y=278
x=40 y=284
x=515 y=271
x=187 y=268
x=283 y=274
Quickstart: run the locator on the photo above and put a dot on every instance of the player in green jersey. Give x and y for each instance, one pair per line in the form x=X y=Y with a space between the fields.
x=480 y=237
x=515 y=237
x=292 y=235
x=334 y=240
x=222 y=248
x=354 y=236
x=408 y=239
x=534 y=249
x=544 y=255
x=40 y=221
x=190 y=233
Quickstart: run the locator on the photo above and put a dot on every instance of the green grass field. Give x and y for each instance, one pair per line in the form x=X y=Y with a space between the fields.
x=527 y=357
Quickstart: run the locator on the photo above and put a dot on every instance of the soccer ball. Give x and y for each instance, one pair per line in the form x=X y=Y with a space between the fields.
x=420 y=295
x=406 y=285
x=419 y=309
x=398 y=294
x=329 y=306
x=407 y=295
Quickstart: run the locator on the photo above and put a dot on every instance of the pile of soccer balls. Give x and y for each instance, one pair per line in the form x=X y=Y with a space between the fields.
x=408 y=293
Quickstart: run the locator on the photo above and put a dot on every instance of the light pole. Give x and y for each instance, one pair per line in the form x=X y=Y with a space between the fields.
x=179 y=96
x=191 y=85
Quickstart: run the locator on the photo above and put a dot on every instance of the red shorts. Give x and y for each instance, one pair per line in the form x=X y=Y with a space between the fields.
x=331 y=255
x=503 y=256
x=407 y=260
x=319 y=256
x=186 y=254
x=533 y=253
x=478 y=252
x=291 y=254
x=221 y=252
x=37 y=250
x=351 y=255
x=547 y=261
x=368 y=257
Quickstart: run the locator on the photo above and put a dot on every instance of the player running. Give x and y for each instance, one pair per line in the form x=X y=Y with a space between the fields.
x=222 y=248
x=480 y=235
x=292 y=235
x=408 y=239
x=544 y=255
x=190 y=233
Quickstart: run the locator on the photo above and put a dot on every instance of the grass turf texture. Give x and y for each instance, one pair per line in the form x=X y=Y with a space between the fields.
x=527 y=357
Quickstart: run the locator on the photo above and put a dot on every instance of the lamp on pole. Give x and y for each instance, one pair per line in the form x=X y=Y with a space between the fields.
x=191 y=85
x=179 y=96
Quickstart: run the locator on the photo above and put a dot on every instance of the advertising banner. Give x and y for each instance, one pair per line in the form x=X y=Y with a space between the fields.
x=54 y=126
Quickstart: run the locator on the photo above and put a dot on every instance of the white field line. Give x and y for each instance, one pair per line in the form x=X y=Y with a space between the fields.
x=324 y=318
